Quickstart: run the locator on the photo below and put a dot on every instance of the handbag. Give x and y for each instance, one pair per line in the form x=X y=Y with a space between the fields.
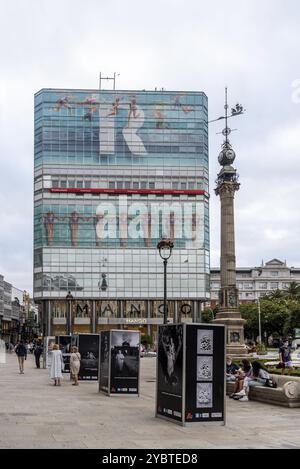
x=280 y=365
x=270 y=383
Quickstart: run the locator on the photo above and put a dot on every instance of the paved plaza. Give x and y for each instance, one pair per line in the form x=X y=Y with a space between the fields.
x=35 y=414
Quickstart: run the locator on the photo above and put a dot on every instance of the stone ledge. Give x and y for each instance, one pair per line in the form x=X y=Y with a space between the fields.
x=287 y=393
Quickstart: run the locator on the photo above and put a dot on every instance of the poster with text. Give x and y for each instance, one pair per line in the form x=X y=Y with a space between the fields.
x=125 y=362
x=205 y=371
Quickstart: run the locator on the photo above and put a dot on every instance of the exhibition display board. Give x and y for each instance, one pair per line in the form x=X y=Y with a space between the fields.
x=88 y=347
x=64 y=342
x=119 y=368
x=190 y=384
x=49 y=341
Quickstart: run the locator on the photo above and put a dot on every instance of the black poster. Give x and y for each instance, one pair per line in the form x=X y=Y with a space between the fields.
x=170 y=371
x=104 y=361
x=205 y=371
x=89 y=351
x=64 y=342
x=125 y=360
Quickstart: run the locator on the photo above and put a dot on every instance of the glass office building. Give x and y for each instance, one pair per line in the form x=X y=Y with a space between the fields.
x=114 y=172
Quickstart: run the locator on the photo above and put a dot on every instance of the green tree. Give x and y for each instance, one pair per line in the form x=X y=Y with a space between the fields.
x=292 y=291
x=274 y=314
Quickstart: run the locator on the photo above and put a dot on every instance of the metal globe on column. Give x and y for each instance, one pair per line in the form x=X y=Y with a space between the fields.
x=227 y=186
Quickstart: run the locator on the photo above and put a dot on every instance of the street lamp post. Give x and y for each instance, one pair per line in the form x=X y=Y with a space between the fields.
x=165 y=247
x=69 y=299
x=259 y=322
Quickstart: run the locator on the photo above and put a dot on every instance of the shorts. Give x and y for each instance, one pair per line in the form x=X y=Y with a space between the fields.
x=231 y=378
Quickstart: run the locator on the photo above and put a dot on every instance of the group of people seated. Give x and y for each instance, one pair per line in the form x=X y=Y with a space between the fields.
x=246 y=376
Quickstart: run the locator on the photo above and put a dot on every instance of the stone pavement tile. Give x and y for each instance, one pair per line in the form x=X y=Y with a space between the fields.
x=40 y=415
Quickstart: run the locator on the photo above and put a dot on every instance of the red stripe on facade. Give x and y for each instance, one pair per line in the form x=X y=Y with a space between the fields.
x=128 y=191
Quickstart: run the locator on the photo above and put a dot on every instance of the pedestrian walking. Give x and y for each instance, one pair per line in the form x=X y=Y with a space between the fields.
x=21 y=351
x=37 y=354
x=56 y=365
x=75 y=364
x=285 y=359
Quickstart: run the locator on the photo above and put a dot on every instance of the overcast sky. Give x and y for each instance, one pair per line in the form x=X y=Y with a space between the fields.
x=252 y=47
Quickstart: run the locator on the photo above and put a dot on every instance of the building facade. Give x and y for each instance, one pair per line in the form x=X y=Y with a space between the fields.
x=10 y=311
x=255 y=282
x=114 y=172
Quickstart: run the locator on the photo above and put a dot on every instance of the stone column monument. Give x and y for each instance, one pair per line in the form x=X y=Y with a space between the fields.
x=227 y=185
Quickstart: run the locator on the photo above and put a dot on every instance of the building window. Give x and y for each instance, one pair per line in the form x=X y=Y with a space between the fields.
x=55 y=183
x=63 y=184
x=175 y=185
x=151 y=185
x=248 y=286
x=274 y=273
x=87 y=184
x=119 y=184
x=274 y=285
x=71 y=183
x=111 y=185
x=183 y=185
x=79 y=184
x=143 y=184
x=135 y=185
x=191 y=185
x=127 y=185
x=263 y=286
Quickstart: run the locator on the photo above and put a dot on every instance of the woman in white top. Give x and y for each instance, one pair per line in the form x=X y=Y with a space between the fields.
x=56 y=365
x=75 y=364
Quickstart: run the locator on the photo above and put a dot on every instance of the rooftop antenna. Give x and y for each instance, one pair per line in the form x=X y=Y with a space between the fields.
x=113 y=79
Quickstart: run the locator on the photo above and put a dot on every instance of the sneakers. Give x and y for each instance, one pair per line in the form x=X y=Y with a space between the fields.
x=244 y=399
x=241 y=393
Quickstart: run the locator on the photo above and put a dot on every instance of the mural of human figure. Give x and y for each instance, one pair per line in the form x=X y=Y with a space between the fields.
x=172 y=226
x=114 y=108
x=63 y=102
x=49 y=220
x=159 y=117
x=74 y=225
x=183 y=107
x=132 y=111
x=91 y=103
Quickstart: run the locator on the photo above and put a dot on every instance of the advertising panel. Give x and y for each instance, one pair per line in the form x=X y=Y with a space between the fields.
x=64 y=342
x=125 y=361
x=88 y=345
x=170 y=372
x=205 y=371
x=104 y=361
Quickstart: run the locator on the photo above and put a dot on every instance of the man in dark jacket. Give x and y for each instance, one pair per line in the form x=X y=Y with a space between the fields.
x=37 y=353
x=21 y=352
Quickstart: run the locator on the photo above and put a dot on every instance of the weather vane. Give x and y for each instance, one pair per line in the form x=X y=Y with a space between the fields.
x=227 y=154
x=235 y=111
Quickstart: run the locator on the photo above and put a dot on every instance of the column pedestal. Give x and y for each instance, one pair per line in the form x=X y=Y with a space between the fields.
x=235 y=331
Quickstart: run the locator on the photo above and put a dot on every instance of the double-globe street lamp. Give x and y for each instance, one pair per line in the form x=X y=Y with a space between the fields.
x=165 y=247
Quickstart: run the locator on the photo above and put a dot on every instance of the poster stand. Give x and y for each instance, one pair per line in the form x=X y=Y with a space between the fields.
x=190 y=372
x=88 y=347
x=64 y=342
x=49 y=341
x=119 y=363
